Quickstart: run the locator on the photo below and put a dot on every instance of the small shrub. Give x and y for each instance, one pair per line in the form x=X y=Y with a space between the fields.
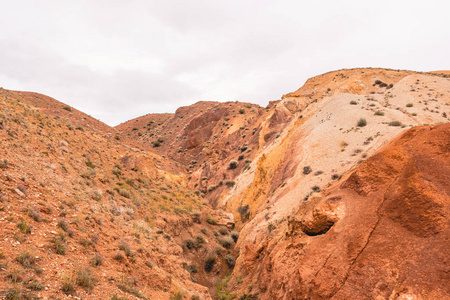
x=233 y=164
x=204 y=231
x=97 y=260
x=395 y=123
x=361 y=122
x=97 y=196
x=211 y=188
x=192 y=268
x=90 y=164
x=33 y=213
x=230 y=183
x=316 y=188
x=189 y=243
x=409 y=105
x=195 y=215
x=242 y=111
x=24 y=227
x=156 y=144
x=244 y=211
x=210 y=260
x=125 y=248
x=335 y=176
x=16 y=293
x=199 y=240
x=211 y=220
x=59 y=245
x=63 y=225
x=230 y=261
x=26 y=259
x=307 y=170
x=234 y=235
x=68 y=282
x=3 y=164
x=124 y=193
x=85 y=278
x=226 y=242
x=128 y=285
x=379 y=113
x=223 y=230
x=176 y=295
x=118 y=256
x=16 y=275
x=353 y=102
x=34 y=285
x=68 y=108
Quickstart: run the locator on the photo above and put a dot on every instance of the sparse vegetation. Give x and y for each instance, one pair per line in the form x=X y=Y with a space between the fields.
x=125 y=248
x=307 y=170
x=234 y=235
x=244 y=211
x=395 y=123
x=24 y=227
x=226 y=242
x=97 y=260
x=361 y=122
x=85 y=278
x=211 y=220
x=210 y=260
x=233 y=164
x=230 y=183
x=189 y=243
x=230 y=261
x=26 y=259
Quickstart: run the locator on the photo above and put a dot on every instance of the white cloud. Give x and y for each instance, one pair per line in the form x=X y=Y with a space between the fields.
x=121 y=59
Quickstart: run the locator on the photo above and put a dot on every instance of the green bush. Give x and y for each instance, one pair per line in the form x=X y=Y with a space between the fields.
x=97 y=260
x=361 y=122
x=85 y=278
x=124 y=193
x=223 y=230
x=189 y=243
x=23 y=226
x=210 y=260
x=26 y=259
x=211 y=220
x=395 y=123
x=234 y=235
x=230 y=261
x=226 y=242
x=233 y=164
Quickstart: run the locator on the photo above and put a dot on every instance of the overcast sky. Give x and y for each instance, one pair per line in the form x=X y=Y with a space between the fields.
x=117 y=60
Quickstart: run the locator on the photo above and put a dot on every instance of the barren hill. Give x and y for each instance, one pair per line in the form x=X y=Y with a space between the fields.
x=337 y=190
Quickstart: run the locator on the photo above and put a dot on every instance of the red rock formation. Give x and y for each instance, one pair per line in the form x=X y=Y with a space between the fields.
x=381 y=234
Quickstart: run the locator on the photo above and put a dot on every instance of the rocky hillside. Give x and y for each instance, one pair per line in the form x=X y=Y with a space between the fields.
x=337 y=190
x=82 y=213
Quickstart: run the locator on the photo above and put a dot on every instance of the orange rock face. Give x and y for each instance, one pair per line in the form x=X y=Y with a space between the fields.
x=380 y=234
